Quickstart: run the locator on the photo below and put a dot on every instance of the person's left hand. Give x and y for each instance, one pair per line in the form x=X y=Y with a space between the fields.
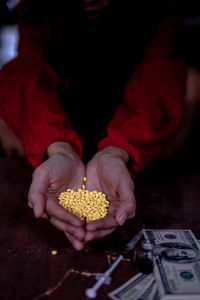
x=107 y=172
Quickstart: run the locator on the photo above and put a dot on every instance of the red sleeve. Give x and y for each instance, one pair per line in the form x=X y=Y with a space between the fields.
x=29 y=100
x=152 y=107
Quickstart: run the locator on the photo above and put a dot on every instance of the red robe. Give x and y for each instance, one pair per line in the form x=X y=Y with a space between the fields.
x=150 y=113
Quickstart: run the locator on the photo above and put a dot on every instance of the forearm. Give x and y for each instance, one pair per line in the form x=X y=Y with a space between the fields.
x=150 y=114
x=37 y=117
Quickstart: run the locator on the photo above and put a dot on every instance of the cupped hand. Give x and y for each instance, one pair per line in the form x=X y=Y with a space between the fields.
x=107 y=172
x=62 y=170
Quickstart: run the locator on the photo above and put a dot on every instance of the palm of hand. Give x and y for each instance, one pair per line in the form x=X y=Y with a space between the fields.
x=63 y=174
x=106 y=177
x=55 y=175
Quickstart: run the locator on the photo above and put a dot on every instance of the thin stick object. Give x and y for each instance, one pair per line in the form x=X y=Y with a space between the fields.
x=104 y=278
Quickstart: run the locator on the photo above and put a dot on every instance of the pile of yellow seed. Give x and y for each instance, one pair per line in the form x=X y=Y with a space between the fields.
x=87 y=205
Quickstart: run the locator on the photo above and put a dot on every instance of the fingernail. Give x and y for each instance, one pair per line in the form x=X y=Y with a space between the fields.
x=30 y=205
x=78 y=245
x=122 y=218
x=36 y=209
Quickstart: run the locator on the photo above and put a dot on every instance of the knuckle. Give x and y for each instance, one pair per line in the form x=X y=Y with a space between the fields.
x=39 y=172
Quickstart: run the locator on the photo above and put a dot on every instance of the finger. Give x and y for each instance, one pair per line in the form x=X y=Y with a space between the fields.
x=37 y=202
x=55 y=210
x=105 y=223
x=127 y=207
x=74 y=241
x=30 y=205
x=91 y=235
x=77 y=232
x=36 y=194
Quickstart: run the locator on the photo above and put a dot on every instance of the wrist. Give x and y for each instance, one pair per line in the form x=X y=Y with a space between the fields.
x=117 y=152
x=63 y=148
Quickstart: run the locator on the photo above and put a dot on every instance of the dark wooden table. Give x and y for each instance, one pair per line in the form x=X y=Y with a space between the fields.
x=168 y=196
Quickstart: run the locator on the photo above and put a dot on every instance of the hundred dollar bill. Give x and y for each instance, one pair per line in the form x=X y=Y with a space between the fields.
x=150 y=292
x=133 y=288
x=176 y=256
x=139 y=287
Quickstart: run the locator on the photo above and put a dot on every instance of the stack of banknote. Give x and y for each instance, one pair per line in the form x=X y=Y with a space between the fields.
x=176 y=272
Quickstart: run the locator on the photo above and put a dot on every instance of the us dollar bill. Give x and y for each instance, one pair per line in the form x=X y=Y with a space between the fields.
x=134 y=287
x=176 y=256
x=150 y=292
x=141 y=287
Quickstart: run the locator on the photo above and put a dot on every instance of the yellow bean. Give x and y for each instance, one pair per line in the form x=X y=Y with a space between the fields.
x=88 y=205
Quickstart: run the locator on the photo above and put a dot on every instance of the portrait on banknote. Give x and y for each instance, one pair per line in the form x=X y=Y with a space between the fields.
x=177 y=252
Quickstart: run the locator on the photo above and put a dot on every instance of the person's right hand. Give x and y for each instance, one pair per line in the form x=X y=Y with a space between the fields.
x=63 y=169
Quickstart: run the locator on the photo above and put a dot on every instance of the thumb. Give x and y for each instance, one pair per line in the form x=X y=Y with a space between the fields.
x=121 y=215
x=36 y=194
x=126 y=209
x=37 y=203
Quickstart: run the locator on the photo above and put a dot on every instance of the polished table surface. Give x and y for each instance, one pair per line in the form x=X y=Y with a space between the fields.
x=168 y=196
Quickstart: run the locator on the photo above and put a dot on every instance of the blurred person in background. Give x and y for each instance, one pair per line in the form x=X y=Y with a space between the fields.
x=9 y=143
x=96 y=90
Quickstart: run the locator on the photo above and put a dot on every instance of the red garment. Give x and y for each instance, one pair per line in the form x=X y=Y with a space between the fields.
x=30 y=106
x=150 y=113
